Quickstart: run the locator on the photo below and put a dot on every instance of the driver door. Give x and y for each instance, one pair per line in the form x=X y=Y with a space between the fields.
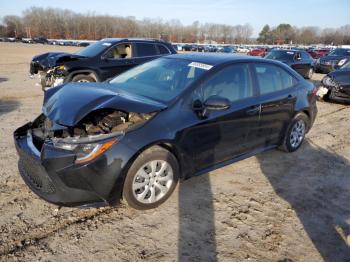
x=221 y=135
x=117 y=60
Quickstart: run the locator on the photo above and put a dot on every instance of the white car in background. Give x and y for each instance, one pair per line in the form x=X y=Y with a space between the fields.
x=243 y=49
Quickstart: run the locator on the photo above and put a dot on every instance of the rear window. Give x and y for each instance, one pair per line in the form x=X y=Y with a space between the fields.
x=163 y=50
x=145 y=49
x=281 y=55
x=272 y=78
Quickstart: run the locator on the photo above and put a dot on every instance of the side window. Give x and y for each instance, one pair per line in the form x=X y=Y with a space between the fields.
x=163 y=50
x=233 y=82
x=272 y=78
x=119 y=51
x=145 y=49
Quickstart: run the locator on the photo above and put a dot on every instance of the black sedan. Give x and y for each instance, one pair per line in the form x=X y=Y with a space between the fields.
x=98 y=61
x=336 y=85
x=335 y=59
x=165 y=120
x=299 y=60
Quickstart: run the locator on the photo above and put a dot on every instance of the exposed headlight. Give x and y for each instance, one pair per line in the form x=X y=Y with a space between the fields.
x=84 y=151
x=328 y=81
x=342 y=62
x=318 y=61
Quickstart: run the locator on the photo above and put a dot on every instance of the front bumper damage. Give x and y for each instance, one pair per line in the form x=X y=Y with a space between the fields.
x=334 y=93
x=53 y=175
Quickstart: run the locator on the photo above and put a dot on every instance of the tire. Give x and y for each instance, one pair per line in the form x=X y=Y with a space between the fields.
x=142 y=184
x=83 y=79
x=294 y=136
x=309 y=73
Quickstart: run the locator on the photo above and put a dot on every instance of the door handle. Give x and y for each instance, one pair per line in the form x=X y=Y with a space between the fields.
x=254 y=110
x=289 y=97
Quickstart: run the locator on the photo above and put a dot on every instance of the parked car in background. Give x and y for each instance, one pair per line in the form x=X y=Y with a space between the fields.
x=97 y=62
x=317 y=53
x=299 y=60
x=243 y=49
x=84 y=44
x=40 y=40
x=261 y=51
x=335 y=59
x=137 y=135
x=228 y=49
x=336 y=85
x=187 y=47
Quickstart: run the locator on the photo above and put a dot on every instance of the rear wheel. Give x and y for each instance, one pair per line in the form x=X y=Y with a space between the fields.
x=83 y=79
x=151 y=178
x=295 y=134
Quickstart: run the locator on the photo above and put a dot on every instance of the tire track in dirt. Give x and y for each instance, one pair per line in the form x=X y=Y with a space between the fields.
x=38 y=234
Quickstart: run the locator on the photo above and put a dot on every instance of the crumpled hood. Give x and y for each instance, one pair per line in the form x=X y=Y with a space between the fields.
x=68 y=104
x=52 y=59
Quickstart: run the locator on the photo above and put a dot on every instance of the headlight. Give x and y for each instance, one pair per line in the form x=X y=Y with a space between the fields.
x=328 y=81
x=342 y=62
x=318 y=61
x=84 y=151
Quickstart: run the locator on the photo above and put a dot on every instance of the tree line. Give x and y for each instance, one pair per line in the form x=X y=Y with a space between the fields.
x=287 y=34
x=56 y=23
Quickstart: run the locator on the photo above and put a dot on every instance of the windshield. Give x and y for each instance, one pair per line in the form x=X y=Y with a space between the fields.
x=162 y=79
x=280 y=55
x=93 y=49
x=340 y=52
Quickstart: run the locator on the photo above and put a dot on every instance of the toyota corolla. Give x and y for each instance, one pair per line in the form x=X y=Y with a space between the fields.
x=166 y=120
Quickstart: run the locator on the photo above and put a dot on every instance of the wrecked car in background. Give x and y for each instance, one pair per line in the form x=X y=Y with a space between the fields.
x=98 y=61
x=335 y=86
x=135 y=136
x=334 y=60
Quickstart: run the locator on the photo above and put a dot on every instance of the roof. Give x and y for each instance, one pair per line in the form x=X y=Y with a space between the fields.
x=214 y=58
x=115 y=40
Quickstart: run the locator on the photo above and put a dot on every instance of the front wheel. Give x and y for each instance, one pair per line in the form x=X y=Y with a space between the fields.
x=83 y=79
x=295 y=134
x=151 y=178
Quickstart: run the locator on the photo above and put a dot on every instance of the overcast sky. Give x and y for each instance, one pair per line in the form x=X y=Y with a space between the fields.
x=322 y=13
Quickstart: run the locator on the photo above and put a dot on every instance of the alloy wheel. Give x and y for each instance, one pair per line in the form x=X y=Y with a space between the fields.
x=152 y=181
x=297 y=134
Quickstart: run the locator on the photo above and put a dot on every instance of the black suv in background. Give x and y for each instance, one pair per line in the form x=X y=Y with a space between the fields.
x=299 y=60
x=97 y=62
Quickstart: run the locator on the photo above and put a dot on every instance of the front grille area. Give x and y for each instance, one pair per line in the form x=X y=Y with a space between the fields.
x=35 y=174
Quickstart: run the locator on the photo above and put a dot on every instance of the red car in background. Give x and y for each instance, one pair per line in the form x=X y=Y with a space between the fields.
x=317 y=53
x=259 y=52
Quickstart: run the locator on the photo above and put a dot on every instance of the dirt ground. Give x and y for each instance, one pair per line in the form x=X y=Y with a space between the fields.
x=272 y=207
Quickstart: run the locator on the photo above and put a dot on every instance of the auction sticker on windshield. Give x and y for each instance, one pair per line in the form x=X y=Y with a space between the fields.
x=200 y=65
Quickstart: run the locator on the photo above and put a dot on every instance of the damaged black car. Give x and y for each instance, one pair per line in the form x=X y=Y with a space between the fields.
x=96 y=62
x=335 y=86
x=168 y=119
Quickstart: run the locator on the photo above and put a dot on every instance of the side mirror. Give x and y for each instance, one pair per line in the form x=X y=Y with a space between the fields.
x=217 y=103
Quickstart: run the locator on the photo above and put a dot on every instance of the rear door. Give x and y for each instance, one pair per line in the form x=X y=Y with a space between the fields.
x=145 y=52
x=278 y=93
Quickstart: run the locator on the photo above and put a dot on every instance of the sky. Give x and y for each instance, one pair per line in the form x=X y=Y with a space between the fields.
x=322 y=13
